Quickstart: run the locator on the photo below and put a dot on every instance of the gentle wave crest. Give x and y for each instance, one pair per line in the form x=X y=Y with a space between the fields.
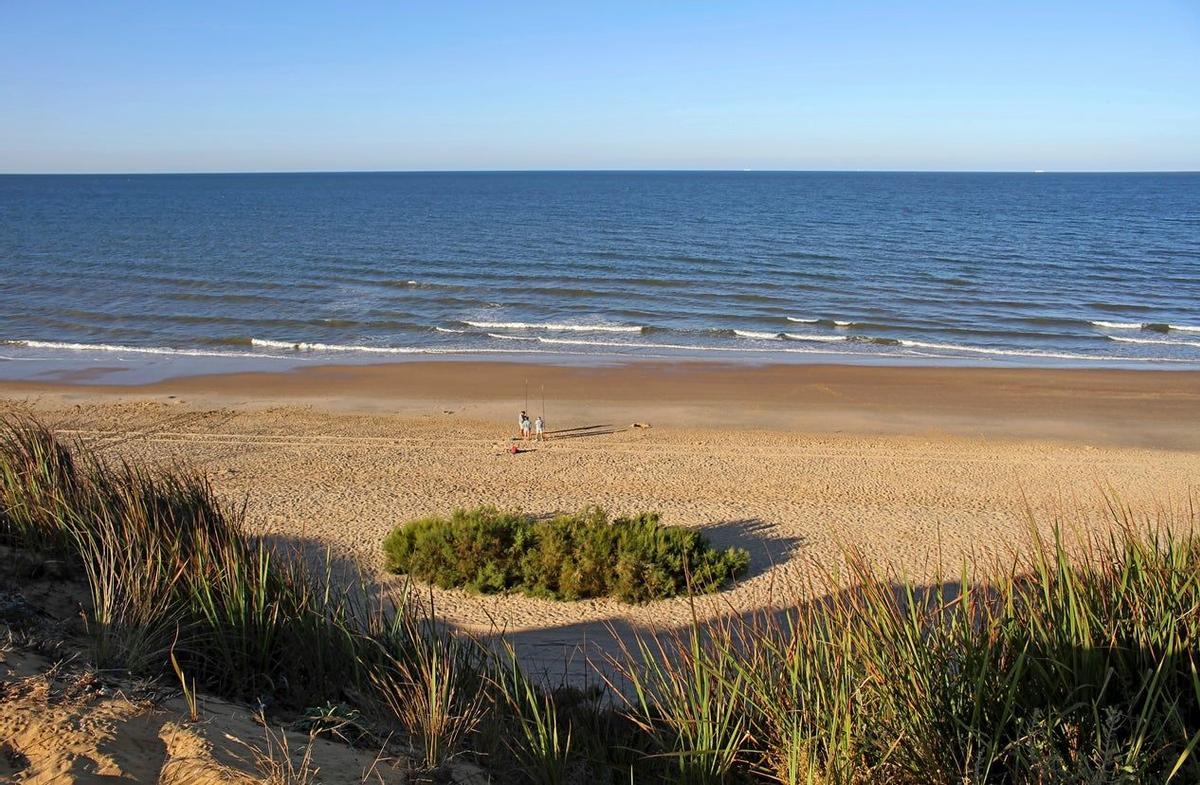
x=1023 y=353
x=1118 y=325
x=823 y=322
x=846 y=338
x=1157 y=327
x=588 y=328
x=813 y=337
x=107 y=347
x=301 y=346
x=766 y=336
x=316 y=347
x=304 y=346
x=1159 y=341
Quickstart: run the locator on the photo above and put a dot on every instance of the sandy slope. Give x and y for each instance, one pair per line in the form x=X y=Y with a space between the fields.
x=68 y=728
x=64 y=723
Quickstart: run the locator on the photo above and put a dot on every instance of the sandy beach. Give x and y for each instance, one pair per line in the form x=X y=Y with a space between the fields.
x=915 y=467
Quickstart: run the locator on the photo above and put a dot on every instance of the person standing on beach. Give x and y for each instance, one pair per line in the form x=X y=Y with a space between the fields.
x=539 y=427
x=524 y=420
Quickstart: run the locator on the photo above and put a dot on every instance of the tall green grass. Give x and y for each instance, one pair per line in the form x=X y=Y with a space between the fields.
x=177 y=586
x=168 y=567
x=1066 y=668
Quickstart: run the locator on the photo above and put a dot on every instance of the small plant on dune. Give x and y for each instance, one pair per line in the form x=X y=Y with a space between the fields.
x=275 y=760
x=435 y=692
x=687 y=692
x=567 y=557
x=335 y=720
x=187 y=689
x=543 y=744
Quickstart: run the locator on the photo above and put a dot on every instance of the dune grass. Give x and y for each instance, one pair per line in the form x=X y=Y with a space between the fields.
x=1057 y=670
x=567 y=557
x=170 y=572
x=1067 y=666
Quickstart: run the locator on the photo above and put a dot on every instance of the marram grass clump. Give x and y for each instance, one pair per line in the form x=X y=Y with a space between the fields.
x=568 y=557
x=1068 y=666
x=172 y=577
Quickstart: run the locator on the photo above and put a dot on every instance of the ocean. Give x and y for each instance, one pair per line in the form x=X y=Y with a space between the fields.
x=250 y=270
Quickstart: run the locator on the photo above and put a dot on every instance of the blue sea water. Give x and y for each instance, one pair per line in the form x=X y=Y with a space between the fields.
x=1015 y=269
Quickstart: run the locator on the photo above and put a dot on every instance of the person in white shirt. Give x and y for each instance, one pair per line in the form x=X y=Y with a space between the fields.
x=524 y=425
x=539 y=426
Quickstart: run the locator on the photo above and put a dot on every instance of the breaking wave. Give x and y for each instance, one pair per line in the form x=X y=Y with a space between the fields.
x=1159 y=341
x=765 y=336
x=1157 y=327
x=588 y=328
x=106 y=347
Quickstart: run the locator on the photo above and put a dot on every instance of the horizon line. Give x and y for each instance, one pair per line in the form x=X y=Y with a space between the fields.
x=159 y=173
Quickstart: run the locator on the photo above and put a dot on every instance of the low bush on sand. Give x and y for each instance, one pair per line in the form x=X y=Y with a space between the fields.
x=568 y=557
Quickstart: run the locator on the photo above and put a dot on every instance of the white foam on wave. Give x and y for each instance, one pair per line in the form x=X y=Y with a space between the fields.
x=301 y=346
x=906 y=344
x=312 y=347
x=834 y=322
x=449 y=330
x=1160 y=341
x=1118 y=325
x=954 y=347
x=589 y=328
x=757 y=334
x=1183 y=328
x=106 y=347
x=814 y=337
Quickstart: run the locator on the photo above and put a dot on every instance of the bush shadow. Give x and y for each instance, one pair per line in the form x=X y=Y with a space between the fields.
x=758 y=538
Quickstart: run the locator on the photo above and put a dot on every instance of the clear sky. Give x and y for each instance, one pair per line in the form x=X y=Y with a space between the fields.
x=869 y=84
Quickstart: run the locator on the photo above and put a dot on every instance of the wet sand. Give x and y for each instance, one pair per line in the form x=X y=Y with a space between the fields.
x=916 y=467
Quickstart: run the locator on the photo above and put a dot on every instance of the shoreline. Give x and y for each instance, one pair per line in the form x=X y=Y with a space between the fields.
x=1144 y=408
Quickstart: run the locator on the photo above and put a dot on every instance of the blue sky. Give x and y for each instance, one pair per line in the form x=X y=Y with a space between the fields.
x=209 y=86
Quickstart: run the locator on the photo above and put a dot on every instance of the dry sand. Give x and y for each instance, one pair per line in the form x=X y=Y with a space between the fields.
x=61 y=727
x=914 y=466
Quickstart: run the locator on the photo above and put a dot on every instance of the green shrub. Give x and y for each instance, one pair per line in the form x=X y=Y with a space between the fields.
x=568 y=557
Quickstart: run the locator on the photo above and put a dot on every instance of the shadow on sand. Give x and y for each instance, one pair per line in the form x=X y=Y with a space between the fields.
x=583 y=653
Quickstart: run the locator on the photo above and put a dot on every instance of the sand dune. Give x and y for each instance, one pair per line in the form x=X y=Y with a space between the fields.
x=321 y=471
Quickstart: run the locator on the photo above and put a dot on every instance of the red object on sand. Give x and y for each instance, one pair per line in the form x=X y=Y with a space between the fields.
x=513 y=449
